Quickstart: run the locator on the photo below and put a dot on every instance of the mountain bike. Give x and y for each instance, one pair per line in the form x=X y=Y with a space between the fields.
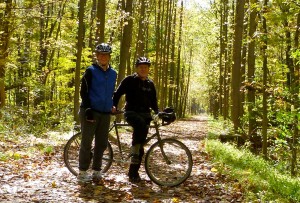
x=168 y=162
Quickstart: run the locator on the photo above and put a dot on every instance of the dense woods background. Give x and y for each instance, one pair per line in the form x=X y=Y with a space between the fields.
x=236 y=60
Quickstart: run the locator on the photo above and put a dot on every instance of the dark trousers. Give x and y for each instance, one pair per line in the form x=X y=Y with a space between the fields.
x=99 y=130
x=140 y=123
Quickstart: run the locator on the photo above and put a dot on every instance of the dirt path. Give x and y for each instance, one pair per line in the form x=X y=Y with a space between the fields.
x=32 y=176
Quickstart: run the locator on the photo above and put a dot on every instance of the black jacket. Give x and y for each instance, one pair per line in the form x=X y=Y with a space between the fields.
x=140 y=95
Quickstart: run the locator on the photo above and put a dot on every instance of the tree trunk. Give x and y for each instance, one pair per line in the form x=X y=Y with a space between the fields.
x=80 y=38
x=236 y=68
x=92 y=26
x=221 y=54
x=177 y=99
x=101 y=9
x=226 y=81
x=251 y=66
x=125 y=41
x=295 y=98
x=172 y=63
x=140 y=45
x=265 y=72
x=4 y=44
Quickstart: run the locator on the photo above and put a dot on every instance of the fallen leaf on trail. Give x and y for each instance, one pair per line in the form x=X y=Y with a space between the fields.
x=175 y=200
x=213 y=169
x=53 y=184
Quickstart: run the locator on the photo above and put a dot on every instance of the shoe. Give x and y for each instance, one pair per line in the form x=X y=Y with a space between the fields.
x=97 y=175
x=135 y=179
x=135 y=159
x=83 y=176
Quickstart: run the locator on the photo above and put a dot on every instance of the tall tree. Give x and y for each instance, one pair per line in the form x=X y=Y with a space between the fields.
x=251 y=64
x=101 y=9
x=140 y=45
x=80 y=37
x=178 y=65
x=295 y=76
x=236 y=67
x=4 y=44
x=125 y=40
x=265 y=76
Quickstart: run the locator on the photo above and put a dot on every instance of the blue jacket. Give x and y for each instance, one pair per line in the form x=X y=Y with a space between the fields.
x=97 y=87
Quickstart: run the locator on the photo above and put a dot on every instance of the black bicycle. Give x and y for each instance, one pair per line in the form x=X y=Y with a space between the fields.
x=168 y=162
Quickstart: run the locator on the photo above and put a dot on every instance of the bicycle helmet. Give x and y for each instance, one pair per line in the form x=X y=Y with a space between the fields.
x=103 y=48
x=142 y=60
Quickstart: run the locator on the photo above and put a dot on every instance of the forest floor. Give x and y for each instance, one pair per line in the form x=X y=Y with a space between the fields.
x=35 y=172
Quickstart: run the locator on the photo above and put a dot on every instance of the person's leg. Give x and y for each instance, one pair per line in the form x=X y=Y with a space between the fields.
x=140 y=124
x=101 y=139
x=133 y=172
x=87 y=130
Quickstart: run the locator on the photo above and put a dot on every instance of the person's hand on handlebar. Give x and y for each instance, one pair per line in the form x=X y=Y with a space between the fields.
x=113 y=110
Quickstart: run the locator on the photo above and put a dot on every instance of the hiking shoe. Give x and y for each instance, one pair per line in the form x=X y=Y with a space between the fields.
x=83 y=176
x=97 y=175
x=135 y=159
x=135 y=179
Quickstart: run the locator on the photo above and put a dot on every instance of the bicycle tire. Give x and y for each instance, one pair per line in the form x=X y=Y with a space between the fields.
x=71 y=155
x=173 y=173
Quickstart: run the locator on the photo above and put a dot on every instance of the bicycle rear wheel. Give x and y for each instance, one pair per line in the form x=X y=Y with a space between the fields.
x=169 y=167
x=71 y=155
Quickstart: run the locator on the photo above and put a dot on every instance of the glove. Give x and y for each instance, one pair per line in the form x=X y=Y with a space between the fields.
x=89 y=114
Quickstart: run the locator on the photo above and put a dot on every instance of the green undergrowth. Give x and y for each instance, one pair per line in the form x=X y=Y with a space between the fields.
x=260 y=181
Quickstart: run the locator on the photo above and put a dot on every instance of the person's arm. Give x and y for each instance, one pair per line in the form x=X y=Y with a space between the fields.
x=84 y=91
x=119 y=92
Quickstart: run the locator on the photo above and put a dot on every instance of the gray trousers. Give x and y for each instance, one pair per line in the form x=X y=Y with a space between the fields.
x=99 y=130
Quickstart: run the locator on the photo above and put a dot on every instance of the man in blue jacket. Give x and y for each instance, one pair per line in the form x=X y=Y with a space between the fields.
x=97 y=87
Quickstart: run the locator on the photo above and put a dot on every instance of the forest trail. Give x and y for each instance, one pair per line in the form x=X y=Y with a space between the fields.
x=32 y=176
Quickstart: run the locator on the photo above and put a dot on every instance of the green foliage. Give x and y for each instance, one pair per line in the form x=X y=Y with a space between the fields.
x=261 y=180
x=19 y=122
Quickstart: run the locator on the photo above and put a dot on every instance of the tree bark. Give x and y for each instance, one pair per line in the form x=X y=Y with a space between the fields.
x=177 y=90
x=125 y=41
x=265 y=72
x=251 y=65
x=236 y=68
x=4 y=44
x=101 y=9
x=80 y=36
x=295 y=92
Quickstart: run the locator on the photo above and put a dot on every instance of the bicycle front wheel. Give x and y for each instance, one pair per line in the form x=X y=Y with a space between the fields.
x=169 y=162
x=71 y=155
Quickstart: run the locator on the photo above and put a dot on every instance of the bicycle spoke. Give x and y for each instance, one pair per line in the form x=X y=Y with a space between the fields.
x=172 y=168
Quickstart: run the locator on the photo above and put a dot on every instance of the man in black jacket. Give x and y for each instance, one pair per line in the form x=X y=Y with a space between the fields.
x=140 y=96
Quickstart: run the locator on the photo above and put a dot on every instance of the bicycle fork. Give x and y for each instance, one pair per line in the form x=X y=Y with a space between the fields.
x=160 y=143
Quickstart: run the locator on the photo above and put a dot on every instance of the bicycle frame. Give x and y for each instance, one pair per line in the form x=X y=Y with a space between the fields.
x=156 y=135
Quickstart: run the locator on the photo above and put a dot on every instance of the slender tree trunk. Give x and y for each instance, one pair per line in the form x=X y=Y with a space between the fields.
x=265 y=72
x=172 y=63
x=177 y=99
x=4 y=44
x=140 y=45
x=221 y=59
x=295 y=98
x=251 y=65
x=158 y=42
x=126 y=41
x=227 y=59
x=101 y=9
x=80 y=35
x=236 y=68
x=92 y=26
